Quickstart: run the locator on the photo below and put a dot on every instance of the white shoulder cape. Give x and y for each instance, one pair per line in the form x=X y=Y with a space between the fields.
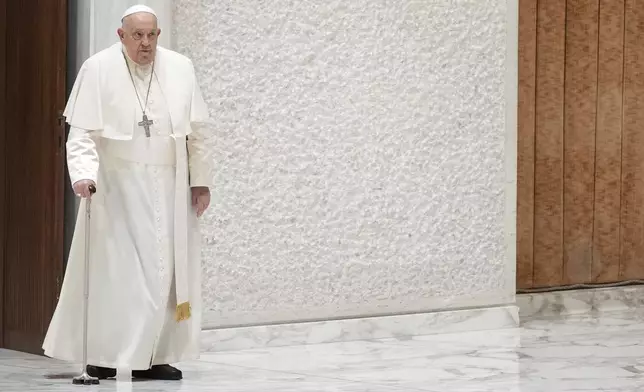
x=103 y=98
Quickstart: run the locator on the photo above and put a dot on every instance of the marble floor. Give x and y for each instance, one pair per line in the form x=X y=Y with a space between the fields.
x=577 y=353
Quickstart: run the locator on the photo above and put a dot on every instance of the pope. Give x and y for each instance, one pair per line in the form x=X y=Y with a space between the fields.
x=138 y=125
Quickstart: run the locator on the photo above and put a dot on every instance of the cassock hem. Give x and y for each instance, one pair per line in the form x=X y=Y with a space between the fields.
x=166 y=360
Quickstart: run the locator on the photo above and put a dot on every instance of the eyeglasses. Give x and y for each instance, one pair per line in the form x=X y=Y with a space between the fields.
x=138 y=35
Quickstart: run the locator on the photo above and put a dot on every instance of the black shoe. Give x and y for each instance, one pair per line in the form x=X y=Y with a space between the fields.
x=159 y=372
x=101 y=372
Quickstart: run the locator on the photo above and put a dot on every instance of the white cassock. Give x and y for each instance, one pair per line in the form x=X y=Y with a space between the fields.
x=145 y=269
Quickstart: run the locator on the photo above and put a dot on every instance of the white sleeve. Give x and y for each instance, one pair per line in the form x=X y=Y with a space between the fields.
x=82 y=155
x=198 y=147
x=199 y=157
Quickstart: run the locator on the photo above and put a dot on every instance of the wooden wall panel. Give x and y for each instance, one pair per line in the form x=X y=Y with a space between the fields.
x=582 y=26
x=587 y=194
x=35 y=83
x=526 y=140
x=548 y=198
x=3 y=156
x=608 y=165
x=632 y=220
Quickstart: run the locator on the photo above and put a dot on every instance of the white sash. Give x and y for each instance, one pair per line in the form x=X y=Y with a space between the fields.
x=151 y=151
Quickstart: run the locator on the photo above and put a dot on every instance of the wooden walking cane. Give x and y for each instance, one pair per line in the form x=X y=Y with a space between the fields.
x=84 y=378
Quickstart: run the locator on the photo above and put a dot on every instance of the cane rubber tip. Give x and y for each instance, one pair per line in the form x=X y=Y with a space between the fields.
x=92 y=189
x=86 y=381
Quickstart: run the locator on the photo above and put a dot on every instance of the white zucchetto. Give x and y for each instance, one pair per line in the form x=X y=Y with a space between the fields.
x=138 y=8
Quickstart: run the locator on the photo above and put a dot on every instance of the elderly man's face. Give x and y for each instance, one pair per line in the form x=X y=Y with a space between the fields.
x=139 y=34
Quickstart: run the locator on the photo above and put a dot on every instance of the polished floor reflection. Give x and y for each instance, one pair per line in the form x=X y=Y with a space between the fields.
x=580 y=354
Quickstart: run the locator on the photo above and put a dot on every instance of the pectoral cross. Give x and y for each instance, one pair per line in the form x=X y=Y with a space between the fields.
x=145 y=123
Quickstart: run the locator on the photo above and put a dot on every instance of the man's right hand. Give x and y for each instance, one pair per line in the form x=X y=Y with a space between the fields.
x=81 y=188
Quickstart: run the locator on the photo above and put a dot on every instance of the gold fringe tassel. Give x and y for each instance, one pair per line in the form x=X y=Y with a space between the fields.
x=183 y=311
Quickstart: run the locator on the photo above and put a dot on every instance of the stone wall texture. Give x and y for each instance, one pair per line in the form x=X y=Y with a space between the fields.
x=360 y=156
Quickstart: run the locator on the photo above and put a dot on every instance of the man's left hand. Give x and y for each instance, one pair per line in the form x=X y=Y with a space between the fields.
x=200 y=199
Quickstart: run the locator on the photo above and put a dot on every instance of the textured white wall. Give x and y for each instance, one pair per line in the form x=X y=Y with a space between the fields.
x=361 y=153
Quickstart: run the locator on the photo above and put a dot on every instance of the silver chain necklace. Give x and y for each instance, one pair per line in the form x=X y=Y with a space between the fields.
x=145 y=122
